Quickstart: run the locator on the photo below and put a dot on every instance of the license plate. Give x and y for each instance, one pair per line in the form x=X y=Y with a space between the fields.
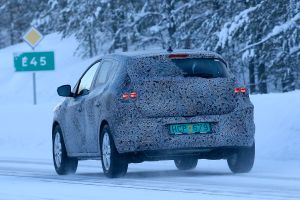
x=178 y=129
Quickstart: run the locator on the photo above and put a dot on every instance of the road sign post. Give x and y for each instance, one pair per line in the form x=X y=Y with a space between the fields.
x=33 y=61
x=34 y=88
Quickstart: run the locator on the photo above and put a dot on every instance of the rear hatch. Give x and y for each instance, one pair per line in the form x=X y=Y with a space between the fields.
x=173 y=86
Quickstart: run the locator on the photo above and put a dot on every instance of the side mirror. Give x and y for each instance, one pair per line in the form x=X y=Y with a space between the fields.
x=64 y=91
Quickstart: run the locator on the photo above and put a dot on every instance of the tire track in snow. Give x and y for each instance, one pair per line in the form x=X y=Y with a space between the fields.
x=176 y=185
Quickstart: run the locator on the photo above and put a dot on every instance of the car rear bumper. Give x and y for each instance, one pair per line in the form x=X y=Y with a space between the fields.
x=214 y=153
x=235 y=129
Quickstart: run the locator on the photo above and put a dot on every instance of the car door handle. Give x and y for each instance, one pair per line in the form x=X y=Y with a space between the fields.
x=98 y=104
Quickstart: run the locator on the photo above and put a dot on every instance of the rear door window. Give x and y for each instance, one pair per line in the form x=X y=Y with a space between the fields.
x=105 y=72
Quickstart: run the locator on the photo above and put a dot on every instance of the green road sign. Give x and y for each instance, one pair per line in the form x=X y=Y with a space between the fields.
x=34 y=61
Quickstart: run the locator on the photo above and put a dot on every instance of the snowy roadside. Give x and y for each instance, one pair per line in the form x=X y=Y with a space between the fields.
x=277 y=121
x=25 y=131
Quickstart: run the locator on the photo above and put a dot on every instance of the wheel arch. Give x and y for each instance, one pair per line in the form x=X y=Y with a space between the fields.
x=54 y=125
x=102 y=124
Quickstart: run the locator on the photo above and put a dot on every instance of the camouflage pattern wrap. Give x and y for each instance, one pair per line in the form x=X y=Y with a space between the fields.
x=163 y=99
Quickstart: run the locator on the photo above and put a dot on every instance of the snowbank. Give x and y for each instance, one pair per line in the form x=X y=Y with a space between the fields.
x=25 y=131
x=277 y=120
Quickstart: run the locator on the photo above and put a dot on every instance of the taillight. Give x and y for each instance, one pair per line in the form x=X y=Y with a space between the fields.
x=243 y=90
x=125 y=96
x=240 y=90
x=236 y=90
x=131 y=95
x=178 y=56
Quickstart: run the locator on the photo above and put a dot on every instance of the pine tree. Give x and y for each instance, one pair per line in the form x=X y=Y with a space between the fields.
x=16 y=17
x=260 y=39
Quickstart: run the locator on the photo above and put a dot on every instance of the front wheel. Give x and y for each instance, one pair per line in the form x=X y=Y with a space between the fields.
x=186 y=163
x=62 y=163
x=242 y=160
x=114 y=165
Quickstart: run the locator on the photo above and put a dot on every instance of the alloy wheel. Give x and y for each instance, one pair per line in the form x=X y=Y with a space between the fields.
x=57 y=149
x=106 y=151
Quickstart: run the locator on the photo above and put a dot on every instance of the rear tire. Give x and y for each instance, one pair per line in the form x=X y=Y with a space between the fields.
x=114 y=165
x=62 y=163
x=242 y=161
x=186 y=163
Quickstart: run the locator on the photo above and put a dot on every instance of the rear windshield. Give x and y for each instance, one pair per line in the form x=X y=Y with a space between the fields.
x=201 y=67
x=189 y=67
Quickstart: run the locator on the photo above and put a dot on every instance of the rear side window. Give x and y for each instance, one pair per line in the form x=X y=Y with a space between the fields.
x=105 y=72
x=187 y=67
x=201 y=67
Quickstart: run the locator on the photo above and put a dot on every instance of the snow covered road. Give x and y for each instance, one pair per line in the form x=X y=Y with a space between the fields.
x=36 y=179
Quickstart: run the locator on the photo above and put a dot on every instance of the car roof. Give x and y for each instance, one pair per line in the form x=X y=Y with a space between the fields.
x=123 y=56
x=155 y=52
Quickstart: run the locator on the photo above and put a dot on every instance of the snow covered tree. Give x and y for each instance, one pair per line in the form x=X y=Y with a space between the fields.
x=16 y=17
x=81 y=21
x=49 y=18
x=259 y=38
x=261 y=33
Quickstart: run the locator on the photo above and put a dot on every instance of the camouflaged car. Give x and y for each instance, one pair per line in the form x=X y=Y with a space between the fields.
x=135 y=107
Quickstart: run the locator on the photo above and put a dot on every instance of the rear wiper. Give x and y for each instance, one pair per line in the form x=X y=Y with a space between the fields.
x=202 y=75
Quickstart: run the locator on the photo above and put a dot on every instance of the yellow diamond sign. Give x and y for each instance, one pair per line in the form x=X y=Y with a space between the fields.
x=33 y=37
